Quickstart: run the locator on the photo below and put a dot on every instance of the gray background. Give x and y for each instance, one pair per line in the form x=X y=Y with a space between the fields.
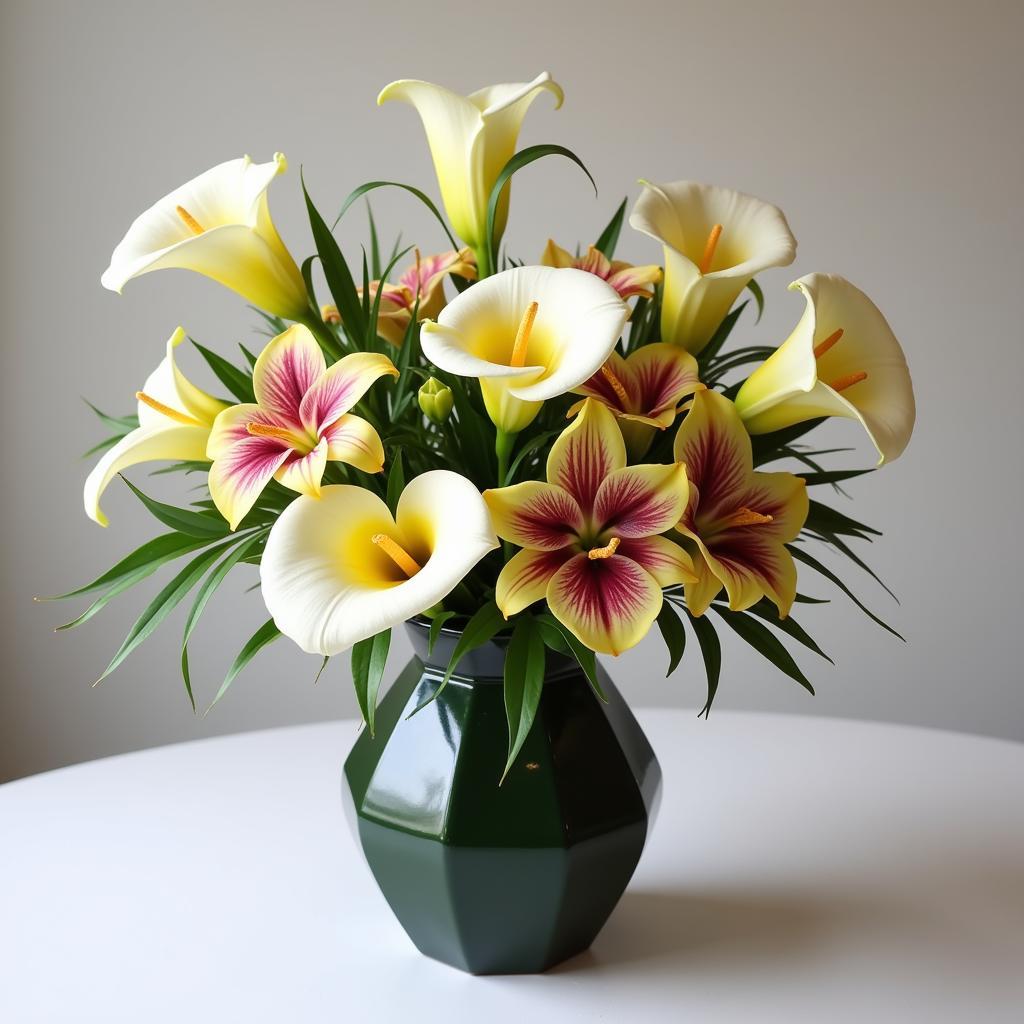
x=889 y=133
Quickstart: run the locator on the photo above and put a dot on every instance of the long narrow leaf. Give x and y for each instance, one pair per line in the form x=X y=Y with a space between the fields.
x=609 y=238
x=764 y=609
x=711 y=651
x=195 y=524
x=267 y=633
x=369 y=658
x=237 y=381
x=584 y=655
x=674 y=635
x=421 y=196
x=765 y=643
x=524 y=681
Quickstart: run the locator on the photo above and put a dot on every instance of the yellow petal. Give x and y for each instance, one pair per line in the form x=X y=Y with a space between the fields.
x=586 y=452
x=525 y=578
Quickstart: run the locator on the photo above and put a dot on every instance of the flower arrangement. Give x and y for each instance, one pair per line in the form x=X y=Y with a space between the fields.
x=565 y=453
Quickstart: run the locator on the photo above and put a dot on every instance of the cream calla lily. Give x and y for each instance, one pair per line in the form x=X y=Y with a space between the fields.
x=715 y=240
x=842 y=359
x=175 y=419
x=340 y=569
x=471 y=139
x=529 y=334
x=218 y=225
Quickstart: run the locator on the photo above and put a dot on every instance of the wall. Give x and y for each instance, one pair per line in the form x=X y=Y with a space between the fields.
x=888 y=132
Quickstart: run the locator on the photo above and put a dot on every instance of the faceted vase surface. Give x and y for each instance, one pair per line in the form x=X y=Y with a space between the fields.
x=500 y=879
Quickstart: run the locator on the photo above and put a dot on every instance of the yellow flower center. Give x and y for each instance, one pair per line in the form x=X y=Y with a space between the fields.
x=709 y=249
x=616 y=385
x=745 y=517
x=522 y=341
x=190 y=222
x=842 y=383
x=397 y=554
x=166 y=410
x=606 y=552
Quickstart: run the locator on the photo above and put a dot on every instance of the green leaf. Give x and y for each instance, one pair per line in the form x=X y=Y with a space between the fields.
x=267 y=633
x=524 y=681
x=530 y=446
x=436 y=625
x=802 y=556
x=369 y=658
x=828 y=520
x=119 y=424
x=375 y=263
x=609 y=238
x=765 y=643
x=764 y=609
x=552 y=636
x=834 y=476
x=421 y=196
x=102 y=446
x=584 y=655
x=125 y=583
x=163 y=604
x=339 y=277
x=206 y=591
x=711 y=650
x=374 y=314
x=804 y=599
x=237 y=381
x=154 y=553
x=719 y=338
x=520 y=160
x=755 y=289
x=674 y=635
x=396 y=481
x=195 y=524
x=766 y=447
x=482 y=626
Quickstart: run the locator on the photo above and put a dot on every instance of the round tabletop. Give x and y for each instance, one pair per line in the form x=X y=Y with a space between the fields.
x=800 y=868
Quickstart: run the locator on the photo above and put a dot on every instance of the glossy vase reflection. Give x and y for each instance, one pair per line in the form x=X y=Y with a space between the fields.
x=507 y=879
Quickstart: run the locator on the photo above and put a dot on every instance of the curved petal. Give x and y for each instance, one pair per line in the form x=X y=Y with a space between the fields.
x=243 y=463
x=525 y=578
x=327 y=585
x=169 y=386
x=600 y=386
x=354 y=441
x=628 y=280
x=701 y=591
x=340 y=387
x=587 y=451
x=608 y=604
x=303 y=473
x=661 y=375
x=555 y=256
x=535 y=515
x=451 y=350
x=665 y=560
x=286 y=369
x=640 y=501
x=151 y=443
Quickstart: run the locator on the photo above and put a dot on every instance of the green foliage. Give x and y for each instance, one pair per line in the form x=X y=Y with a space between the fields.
x=609 y=238
x=369 y=658
x=421 y=196
x=238 y=382
x=524 y=680
x=266 y=634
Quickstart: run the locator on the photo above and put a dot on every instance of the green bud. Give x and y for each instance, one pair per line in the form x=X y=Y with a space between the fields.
x=436 y=400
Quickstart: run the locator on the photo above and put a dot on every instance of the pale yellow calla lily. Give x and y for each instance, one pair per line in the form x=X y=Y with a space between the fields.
x=529 y=334
x=715 y=240
x=175 y=419
x=340 y=569
x=471 y=139
x=217 y=225
x=842 y=359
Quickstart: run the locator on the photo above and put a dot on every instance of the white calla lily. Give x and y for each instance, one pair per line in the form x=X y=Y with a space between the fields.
x=339 y=568
x=471 y=139
x=218 y=225
x=529 y=334
x=715 y=240
x=175 y=420
x=842 y=359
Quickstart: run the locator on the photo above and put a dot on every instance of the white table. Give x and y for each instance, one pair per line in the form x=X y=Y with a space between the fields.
x=801 y=870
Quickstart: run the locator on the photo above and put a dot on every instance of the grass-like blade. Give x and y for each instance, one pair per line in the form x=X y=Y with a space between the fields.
x=609 y=238
x=436 y=625
x=119 y=424
x=237 y=381
x=755 y=289
x=721 y=335
x=524 y=681
x=267 y=633
x=584 y=655
x=195 y=524
x=396 y=481
x=833 y=476
x=369 y=658
x=711 y=651
x=421 y=196
x=765 y=642
x=674 y=635
x=764 y=609
x=827 y=520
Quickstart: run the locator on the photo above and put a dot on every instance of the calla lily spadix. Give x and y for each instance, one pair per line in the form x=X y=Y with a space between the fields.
x=529 y=334
x=842 y=359
x=299 y=422
x=218 y=225
x=341 y=569
x=643 y=390
x=626 y=279
x=715 y=241
x=739 y=520
x=471 y=139
x=175 y=418
x=591 y=536
x=423 y=282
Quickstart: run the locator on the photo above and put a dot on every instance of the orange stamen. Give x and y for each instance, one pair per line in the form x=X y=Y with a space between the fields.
x=419 y=279
x=190 y=222
x=823 y=346
x=709 y=249
x=607 y=551
x=265 y=430
x=397 y=554
x=616 y=385
x=166 y=410
x=523 y=336
x=842 y=383
x=746 y=517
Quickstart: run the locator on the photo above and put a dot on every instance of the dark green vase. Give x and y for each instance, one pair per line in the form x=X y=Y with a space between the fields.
x=509 y=879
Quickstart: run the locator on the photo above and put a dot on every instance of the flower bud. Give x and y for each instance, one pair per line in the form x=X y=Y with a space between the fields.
x=436 y=400
x=330 y=315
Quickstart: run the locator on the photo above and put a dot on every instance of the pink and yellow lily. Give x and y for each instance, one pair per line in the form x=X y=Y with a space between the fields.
x=737 y=519
x=423 y=282
x=626 y=279
x=299 y=422
x=591 y=536
x=643 y=391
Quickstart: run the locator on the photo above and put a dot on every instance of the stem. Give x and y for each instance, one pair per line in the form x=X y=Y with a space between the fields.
x=483 y=261
x=503 y=445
